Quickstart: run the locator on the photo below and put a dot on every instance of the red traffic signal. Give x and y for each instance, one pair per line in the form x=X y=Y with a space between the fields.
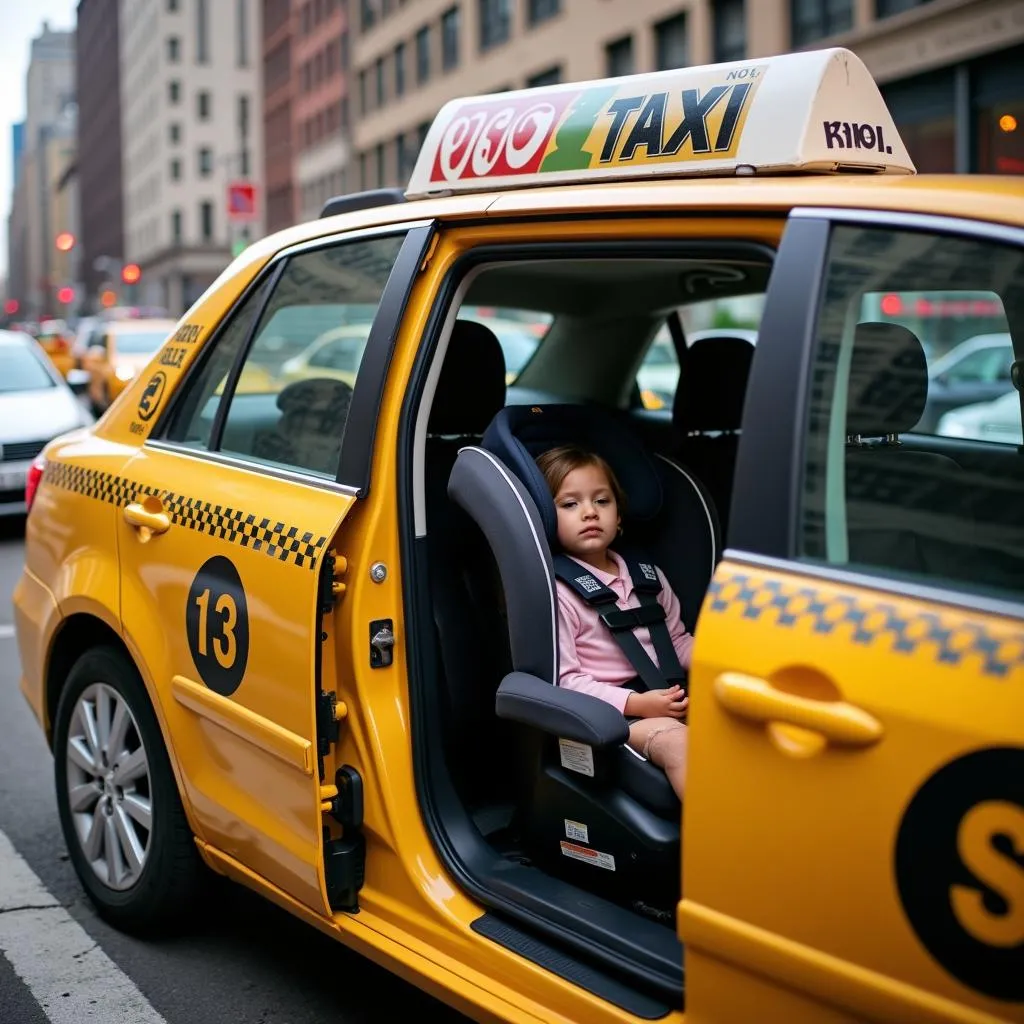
x=11 y=306
x=130 y=273
x=65 y=241
x=65 y=295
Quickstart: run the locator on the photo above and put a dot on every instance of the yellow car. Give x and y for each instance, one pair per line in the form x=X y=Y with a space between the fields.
x=56 y=340
x=116 y=353
x=304 y=635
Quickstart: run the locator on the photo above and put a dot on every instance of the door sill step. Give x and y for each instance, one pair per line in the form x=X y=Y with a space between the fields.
x=566 y=966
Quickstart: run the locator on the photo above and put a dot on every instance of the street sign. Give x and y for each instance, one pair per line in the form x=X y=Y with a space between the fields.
x=241 y=200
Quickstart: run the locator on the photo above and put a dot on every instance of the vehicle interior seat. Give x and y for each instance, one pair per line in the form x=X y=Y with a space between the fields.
x=309 y=430
x=894 y=493
x=464 y=589
x=707 y=413
x=581 y=770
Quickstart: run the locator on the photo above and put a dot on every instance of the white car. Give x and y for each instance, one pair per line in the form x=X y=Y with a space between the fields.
x=998 y=420
x=36 y=405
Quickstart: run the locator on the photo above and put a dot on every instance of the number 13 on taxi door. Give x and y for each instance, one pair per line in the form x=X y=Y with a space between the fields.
x=217 y=624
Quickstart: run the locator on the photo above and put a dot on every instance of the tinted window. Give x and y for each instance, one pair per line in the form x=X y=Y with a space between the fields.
x=20 y=370
x=877 y=493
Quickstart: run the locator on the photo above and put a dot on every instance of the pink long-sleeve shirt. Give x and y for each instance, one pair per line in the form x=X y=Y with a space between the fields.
x=589 y=658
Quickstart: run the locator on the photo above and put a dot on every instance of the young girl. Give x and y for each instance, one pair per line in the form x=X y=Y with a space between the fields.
x=587 y=500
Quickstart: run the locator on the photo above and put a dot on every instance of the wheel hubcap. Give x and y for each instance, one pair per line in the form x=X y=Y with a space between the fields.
x=109 y=786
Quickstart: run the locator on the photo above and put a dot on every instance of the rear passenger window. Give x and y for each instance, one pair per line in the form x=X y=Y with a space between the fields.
x=913 y=460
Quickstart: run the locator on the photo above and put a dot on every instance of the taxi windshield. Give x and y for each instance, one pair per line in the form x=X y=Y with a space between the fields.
x=140 y=342
x=21 y=371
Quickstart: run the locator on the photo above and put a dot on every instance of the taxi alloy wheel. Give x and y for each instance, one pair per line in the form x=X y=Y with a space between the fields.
x=120 y=811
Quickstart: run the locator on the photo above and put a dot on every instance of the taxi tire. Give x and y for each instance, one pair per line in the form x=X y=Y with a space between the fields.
x=173 y=876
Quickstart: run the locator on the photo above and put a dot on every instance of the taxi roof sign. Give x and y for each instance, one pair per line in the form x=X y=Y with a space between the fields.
x=818 y=111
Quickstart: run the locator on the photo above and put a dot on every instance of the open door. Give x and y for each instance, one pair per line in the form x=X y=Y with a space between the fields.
x=854 y=829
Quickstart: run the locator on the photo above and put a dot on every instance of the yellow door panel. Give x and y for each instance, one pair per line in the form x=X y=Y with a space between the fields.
x=221 y=595
x=885 y=736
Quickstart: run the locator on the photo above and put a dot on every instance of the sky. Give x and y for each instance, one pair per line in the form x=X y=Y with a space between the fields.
x=20 y=22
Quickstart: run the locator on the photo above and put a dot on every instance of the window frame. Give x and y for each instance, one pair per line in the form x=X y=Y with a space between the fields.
x=357 y=449
x=765 y=516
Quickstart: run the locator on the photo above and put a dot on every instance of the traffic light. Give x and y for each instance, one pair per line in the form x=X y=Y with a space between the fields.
x=11 y=306
x=65 y=295
x=130 y=273
x=108 y=298
x=65 y=241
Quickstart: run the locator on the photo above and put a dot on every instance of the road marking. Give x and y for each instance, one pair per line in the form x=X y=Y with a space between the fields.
x=71 y=978
x=6 y=631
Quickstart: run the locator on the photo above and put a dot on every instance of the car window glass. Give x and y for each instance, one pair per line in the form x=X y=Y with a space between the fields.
x=519 y=332
x=658 y=375
x=144 y=341
x=877 y=493
x=20 y=370
x=285 y=410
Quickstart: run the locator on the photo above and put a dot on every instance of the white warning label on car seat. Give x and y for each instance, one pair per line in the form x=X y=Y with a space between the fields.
x=576 y=830
x=577 y=757
x=588 y=856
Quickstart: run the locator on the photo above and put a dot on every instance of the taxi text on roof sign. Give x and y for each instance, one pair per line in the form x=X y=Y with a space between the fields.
x=819 y=111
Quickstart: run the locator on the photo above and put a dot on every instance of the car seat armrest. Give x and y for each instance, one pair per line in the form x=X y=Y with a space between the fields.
x=568 y=714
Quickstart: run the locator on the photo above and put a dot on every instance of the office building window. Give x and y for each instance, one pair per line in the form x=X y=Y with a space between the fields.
x=242 y=30
x=203 y=104
x=495 y=22
x=362 y=171
x=173 y=50
x=816 y=19
x=730 y=30
x=344 y=49
x=541 y=10
x=400 y=69
x=176 y=227
x=378 y=74
x=550 y=77
x=450 y=39
x=671 y=48
x=206 y=220
x=423 y=54
x=174 y=92
x=174 y=132
x=381 y=167
x=202 y=32
x=175 y=170
x=205 y=162
x=923 y=109
x=887 y=8
x=364 y=97
x=243 y=116
x=344 y=113
x=618 y=57
x=368 y=14
x=243 y=163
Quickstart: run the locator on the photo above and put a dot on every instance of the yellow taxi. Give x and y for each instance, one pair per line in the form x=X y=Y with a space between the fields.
x=304 y=635
x=56 y=340
x=116 y=352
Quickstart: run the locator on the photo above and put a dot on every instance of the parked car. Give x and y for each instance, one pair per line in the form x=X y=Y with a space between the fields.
x=117 y=351
x=56 y=341
x=998 y=420
x=36 y=405
x=976 y=370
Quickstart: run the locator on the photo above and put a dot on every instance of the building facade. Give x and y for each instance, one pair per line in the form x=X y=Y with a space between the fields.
x=191 y=129
x=320 y=105
x=100 y=175
x=47 y=137
x=278 y=156
x=950 y=69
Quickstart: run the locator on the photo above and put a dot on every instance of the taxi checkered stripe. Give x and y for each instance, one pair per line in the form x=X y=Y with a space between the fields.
x=867 y=622
x=277 y=540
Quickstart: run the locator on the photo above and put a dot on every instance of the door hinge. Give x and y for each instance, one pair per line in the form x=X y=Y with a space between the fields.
x=345 y=857
x=331 y=587
x=329 y=712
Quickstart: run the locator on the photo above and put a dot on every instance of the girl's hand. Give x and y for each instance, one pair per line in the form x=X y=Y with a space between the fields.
x=668 y=703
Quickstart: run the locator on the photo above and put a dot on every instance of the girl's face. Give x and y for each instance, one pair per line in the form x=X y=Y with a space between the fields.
x=588 y=517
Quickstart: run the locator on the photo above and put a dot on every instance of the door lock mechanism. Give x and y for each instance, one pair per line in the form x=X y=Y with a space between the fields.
x=382 y=642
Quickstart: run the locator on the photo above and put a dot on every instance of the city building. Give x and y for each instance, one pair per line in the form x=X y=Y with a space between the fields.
x=17 y=148
x=278 y=156
x=320 y=110
x=49 y=117
x=192 y=137
x=950 y=69
x=100 y=176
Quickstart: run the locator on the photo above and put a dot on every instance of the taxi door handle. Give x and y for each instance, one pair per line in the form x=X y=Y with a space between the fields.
x=758 y=701
x=142 y=517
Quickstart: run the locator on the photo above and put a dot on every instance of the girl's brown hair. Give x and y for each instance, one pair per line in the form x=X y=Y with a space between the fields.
x=557 y=463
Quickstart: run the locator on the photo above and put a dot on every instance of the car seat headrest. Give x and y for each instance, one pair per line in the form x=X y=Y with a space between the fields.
x=713 y=385
x=519 y=433
x=888 y=381
x=471 y=387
